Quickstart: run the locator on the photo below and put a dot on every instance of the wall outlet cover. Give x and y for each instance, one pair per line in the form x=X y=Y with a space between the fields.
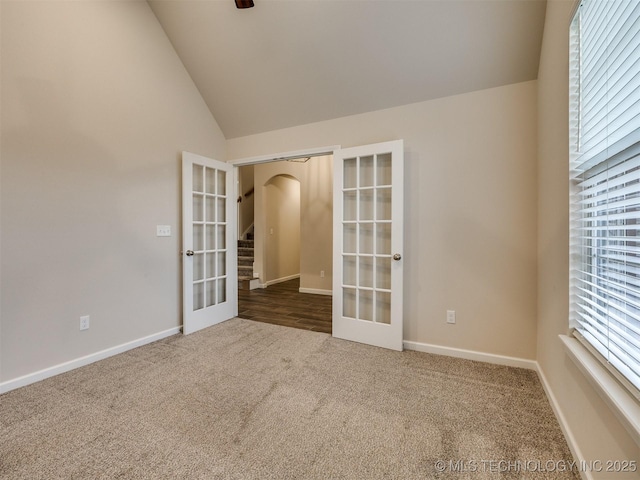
x=451 y=316
x=163 y=230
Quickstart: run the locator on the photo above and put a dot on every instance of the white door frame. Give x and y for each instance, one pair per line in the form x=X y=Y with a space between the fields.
x=276 y=157
x=311 y=152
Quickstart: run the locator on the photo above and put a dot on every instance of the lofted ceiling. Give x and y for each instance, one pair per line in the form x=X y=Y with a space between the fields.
x=291 y=62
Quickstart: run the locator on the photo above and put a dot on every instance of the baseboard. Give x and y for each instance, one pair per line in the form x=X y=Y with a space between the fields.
x=279 y=280
x=585 y=474
x=316 y=291
x=471 y=355
x=82 y=361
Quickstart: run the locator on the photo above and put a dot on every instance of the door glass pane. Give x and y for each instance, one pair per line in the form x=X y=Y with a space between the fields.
x=365 y=305
x=222 y=185
x=198 y=296
x=383 y=307
x=350 y=179
x=365 y=278
x=383 y=238
x=210 y=178
x=211 y=237
x=222 y=264
x=366 y=171
x=197 y=178
x=383 y=204
x=366 y=238
x=198 y=208
x=349 y=298
x=350 y=206
x=383 y=273
x=211 y=293
x=211 y=265
x=198 y=266
x=383 y=169
x=350 y=238
x=211 y=209
x=198 y=237
x=366 y=205
x=222 y=209
x=222 y=290
x=349 y=270
x=222 y=236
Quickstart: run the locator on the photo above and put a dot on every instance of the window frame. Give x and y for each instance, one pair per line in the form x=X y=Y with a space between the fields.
x=618 y=153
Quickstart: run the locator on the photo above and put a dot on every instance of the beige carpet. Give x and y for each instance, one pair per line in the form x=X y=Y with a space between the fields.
x=245 y=400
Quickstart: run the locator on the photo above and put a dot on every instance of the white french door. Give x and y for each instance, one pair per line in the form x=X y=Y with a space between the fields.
x=209 y=271
x=367 y=244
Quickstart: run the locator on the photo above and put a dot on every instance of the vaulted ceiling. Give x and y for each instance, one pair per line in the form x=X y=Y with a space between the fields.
x=290 y=62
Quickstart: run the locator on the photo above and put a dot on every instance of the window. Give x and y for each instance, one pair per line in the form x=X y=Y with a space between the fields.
x=605 y=182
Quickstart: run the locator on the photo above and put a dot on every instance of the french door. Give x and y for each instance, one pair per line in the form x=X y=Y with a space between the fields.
x=367 y=244
x=209 y=272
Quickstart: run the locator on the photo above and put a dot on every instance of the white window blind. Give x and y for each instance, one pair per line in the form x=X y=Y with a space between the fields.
x=605 y=181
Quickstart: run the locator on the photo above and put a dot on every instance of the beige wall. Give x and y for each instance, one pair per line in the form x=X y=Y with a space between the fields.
x=96 y=108
x=595 y=431
x=470 y=210
x=1 y=227
x=316 y=219
x=282 y=228
x=316 y=228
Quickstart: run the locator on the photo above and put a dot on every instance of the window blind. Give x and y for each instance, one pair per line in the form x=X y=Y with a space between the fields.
x=604 y=68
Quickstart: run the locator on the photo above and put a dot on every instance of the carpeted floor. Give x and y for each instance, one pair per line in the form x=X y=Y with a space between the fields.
x=247 y=400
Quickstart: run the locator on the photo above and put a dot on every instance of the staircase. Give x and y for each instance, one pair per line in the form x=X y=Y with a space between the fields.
x=245 y=264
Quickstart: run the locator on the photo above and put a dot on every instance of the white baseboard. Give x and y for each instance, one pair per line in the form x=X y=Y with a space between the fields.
x=315 y=291
x=585 y=474
x=279 y=280
x=472 y=355
x=82 y=361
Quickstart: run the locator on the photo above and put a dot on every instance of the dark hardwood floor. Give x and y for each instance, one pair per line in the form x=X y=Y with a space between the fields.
x=283 y=304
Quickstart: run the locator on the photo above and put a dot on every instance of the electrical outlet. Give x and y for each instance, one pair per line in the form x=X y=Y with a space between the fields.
x=451 y=316
x=84 y=322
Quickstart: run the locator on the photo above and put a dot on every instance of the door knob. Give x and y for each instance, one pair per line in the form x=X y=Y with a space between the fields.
x=397 y=257
x=189 y=253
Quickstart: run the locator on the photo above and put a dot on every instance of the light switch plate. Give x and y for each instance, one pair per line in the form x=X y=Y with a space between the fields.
x=163 y=230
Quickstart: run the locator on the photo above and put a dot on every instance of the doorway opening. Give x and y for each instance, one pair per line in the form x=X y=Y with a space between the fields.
x=285 y=249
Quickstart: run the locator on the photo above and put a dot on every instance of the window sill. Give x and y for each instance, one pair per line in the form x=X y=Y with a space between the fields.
x=621 y=402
